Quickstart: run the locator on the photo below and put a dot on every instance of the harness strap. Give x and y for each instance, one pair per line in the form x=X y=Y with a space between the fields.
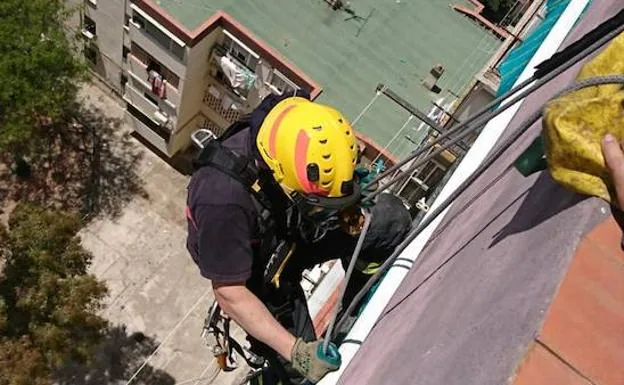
x=241 y=168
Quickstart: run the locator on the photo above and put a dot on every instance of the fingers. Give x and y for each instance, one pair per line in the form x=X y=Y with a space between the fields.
x=614 y=157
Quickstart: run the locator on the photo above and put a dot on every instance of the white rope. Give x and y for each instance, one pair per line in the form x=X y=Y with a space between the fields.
x=175 y=328
x=393 y=139
x=368 y=106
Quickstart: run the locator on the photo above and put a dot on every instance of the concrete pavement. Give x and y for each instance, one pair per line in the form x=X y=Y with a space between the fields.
x=154 y=286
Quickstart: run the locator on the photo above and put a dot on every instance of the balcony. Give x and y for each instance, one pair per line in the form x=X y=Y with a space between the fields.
x=220 y=101
x=138 y=71
x=156 y=50
x=146 y=132
x=148 y=108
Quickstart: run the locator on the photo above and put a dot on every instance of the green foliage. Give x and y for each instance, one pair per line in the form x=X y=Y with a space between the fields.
x=48 y=301
x=38 y=72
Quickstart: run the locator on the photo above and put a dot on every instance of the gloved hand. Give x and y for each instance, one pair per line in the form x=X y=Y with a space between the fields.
x=309 y=360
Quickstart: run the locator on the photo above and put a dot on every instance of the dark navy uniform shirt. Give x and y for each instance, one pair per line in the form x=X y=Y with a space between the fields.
x=222 y=220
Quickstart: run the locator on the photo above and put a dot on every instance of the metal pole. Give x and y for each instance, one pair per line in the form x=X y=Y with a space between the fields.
x=413 y=110
x=545 y=72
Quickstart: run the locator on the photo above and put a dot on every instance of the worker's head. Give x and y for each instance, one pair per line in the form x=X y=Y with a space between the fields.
x=312 y=151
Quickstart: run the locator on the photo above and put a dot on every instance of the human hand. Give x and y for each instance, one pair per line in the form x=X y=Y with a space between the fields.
x=309 y=359
x=614 y=158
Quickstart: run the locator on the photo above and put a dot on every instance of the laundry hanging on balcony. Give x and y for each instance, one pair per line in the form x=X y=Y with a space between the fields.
x=238 y=75
x=159 y=84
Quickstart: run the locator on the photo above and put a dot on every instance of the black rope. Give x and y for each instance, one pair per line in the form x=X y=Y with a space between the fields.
x=507 y=142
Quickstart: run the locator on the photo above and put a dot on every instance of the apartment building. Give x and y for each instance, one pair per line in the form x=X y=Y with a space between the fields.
x=176 y=81
x=189 y=45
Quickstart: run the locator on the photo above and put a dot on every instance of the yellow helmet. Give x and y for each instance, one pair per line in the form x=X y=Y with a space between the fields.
x=311 y=148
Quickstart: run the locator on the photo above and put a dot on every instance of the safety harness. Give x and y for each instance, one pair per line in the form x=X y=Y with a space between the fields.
x=275 y=213
x=272 y=248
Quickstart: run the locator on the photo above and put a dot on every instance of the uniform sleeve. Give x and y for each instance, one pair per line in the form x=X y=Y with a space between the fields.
x=224 y=242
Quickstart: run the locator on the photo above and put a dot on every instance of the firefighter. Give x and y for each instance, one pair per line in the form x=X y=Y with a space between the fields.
x=274 y=195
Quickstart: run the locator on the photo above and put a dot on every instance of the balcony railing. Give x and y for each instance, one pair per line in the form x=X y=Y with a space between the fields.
x=221 y=102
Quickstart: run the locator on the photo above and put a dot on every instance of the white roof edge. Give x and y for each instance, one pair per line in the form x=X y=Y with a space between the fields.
x=161 y=27
x=474 y=157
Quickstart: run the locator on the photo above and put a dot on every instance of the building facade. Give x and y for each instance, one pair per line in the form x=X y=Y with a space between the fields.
x=175 y=81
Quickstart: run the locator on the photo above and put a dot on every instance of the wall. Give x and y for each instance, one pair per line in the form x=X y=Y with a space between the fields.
x=109 y=18
x=181 y=139
x=191 y=97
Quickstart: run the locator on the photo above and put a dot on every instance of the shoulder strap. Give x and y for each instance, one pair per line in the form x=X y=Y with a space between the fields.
x=240 y=168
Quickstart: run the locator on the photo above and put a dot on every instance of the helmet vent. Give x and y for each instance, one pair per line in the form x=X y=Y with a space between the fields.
x=347 y=187
x=348 y=132
x=340 y=120
x=327 y=170
x=326 y=156
x=317 y=128
x=324 y=141
x=325 y=184
x=351 y=147
x=312 y=172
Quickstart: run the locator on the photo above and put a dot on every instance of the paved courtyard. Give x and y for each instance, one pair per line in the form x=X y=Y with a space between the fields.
x=154 y=286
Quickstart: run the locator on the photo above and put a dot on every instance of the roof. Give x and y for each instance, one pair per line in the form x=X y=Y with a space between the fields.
x=398 y=45
x=479 y=296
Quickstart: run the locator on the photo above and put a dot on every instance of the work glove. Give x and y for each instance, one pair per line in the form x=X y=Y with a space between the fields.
x=309 y=359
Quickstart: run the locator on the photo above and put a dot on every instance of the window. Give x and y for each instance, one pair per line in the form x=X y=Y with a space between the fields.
x=88 y=27
x=432 y=173
x=158 y=35
x=124 y=52
x=91 y=53
x=151 y=63
x=239 y=51
x=281 y=83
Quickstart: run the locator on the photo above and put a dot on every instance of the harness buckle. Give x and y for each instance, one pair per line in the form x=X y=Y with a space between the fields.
x=202 y=136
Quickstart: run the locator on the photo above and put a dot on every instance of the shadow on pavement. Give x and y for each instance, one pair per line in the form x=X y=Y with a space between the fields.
x=117 y=358
x=88 y=165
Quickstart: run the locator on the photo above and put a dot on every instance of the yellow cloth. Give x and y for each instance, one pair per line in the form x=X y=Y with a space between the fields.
x=575 y=124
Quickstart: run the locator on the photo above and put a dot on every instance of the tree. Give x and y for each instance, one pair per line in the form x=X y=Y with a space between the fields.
x=48 y=301
x=39 y=73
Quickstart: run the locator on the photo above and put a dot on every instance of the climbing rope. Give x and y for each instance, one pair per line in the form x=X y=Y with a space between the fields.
x=171 y=332
x=409 y=119
x=484 y=115
x=348 y=273
x=504 y=145
x=368 y=106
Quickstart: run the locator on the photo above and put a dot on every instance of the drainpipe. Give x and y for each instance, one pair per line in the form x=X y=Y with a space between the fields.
x=475 y=156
